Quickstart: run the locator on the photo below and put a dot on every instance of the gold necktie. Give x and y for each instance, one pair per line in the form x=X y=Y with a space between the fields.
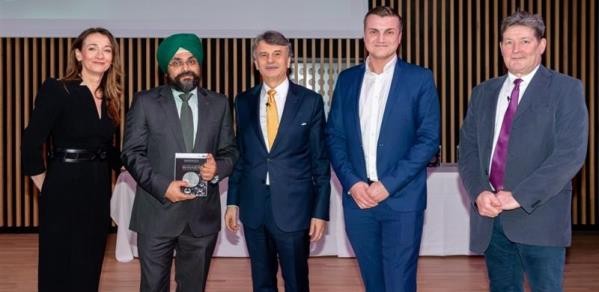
x=272 y=117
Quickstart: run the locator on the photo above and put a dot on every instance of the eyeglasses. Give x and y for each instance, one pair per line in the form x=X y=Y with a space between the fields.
x=177 y=63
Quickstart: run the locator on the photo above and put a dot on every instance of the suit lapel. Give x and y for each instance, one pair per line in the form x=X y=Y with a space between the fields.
x=395 y=93
x=489 y=109
x=292 y=104
x=203 y=113
x=172 y=117
x=254 y=107
x=356 y=89
x=538 y=83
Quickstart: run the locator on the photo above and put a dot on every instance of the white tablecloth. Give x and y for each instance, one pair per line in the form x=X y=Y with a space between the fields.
x=446 y=224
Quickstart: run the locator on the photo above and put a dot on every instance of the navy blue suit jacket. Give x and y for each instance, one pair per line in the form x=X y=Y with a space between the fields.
x=297 y=164
x=409 y=135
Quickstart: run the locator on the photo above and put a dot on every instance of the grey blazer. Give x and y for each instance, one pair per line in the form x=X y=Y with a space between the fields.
x=547 y=147
x=152 y=137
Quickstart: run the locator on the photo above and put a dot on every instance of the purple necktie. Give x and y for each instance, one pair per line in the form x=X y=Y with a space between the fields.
x=500 y=155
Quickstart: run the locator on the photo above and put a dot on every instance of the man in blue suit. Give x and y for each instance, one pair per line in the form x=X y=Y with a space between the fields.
x=281 y=183
x=523 y=140
x=382 y=131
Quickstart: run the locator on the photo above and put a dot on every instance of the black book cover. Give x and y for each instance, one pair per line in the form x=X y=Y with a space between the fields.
x=187 y=168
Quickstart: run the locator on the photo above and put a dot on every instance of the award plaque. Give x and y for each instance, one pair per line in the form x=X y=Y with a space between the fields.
x=187 y=168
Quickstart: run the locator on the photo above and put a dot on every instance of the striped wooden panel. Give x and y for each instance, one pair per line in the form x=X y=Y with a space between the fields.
x=457 y=39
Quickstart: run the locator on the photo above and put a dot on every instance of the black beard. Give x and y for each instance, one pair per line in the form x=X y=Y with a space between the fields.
x=184 y=85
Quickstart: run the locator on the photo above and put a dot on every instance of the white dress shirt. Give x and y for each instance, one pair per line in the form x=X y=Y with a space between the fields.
x=373 y=99
x=503 y=103
x=281 y=96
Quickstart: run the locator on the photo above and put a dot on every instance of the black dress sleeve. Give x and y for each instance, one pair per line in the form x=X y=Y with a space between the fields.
x=114 y=158
x=46 y=111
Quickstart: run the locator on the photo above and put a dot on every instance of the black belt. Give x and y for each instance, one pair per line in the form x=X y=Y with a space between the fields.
x=78 y=155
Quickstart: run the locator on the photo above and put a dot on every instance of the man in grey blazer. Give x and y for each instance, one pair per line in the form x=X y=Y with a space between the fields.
x=179 y=117
x=523 y=139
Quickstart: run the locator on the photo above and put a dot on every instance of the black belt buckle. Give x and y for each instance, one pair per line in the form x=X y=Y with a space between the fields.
x=102 y=154
x=72 y=155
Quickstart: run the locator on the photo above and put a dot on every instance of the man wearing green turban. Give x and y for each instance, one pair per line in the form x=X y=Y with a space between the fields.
x=170 y=55
x=179 y=117
x=169 y=47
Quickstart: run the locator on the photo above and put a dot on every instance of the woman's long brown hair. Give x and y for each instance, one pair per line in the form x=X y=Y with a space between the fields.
x=110 y=85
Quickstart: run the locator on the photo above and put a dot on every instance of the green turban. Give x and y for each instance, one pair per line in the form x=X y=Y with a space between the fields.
x=169 y=46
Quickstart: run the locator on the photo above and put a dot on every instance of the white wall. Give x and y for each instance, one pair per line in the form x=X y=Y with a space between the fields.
x=207 y=18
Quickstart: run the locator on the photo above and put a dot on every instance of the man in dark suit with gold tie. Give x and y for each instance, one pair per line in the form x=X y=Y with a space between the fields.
x=280 y=186
x=523 y=139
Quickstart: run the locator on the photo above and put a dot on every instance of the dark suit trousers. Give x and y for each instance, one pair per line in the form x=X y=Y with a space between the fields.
x=192 y=262
x=387 y=245
x=267 y=241
x=508 y=261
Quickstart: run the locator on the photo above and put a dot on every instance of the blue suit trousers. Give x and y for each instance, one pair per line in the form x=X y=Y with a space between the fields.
x=266 y=244
x=387 y=244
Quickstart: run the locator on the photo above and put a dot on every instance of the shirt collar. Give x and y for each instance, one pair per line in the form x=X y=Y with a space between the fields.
x=280 y=89
x=525 y=79
x=176 y=93
x=389 y=67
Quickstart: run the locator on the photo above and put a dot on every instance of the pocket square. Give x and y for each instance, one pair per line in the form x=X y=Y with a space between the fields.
x=303 y=124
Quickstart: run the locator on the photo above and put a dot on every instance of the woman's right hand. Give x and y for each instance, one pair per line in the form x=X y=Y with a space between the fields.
x=38 y=180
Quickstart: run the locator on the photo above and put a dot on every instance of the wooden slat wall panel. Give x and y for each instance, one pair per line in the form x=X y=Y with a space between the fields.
x=457 y=39
x=9 y=172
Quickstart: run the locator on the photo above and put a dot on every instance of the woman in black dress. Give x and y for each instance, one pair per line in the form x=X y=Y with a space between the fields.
x=80 y=113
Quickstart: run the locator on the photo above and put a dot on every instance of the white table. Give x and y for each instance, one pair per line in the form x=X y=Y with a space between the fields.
x=446 y=223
